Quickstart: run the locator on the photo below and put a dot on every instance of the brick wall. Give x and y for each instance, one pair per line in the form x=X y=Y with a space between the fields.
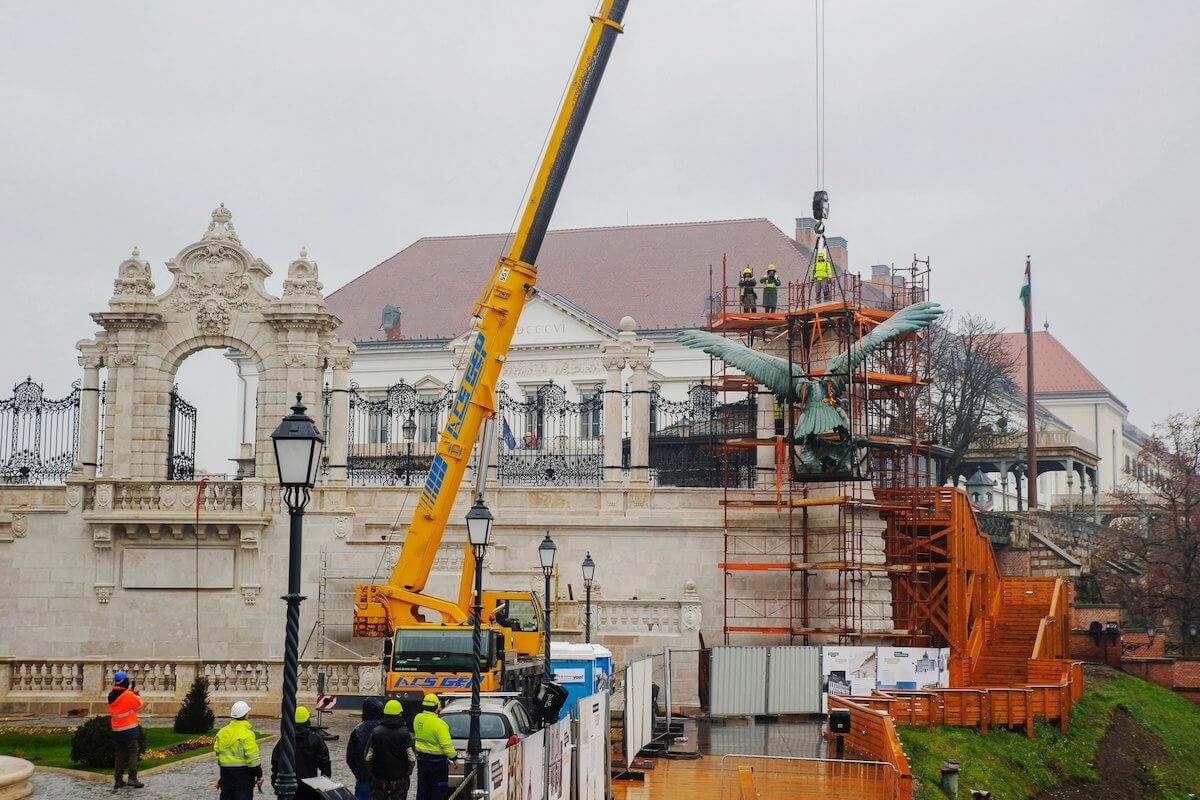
x=1180 y=675
x=1083 y=646
x=1012 y=562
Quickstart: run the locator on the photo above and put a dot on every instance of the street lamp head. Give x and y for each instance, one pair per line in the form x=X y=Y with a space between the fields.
x=1193 y=629
x=479 y=523
x=589 y=568
x=409 y=428
x=297 y=448
x=546 y=553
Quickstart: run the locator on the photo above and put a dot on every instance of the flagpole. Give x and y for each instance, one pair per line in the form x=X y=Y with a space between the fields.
x=1030 y=417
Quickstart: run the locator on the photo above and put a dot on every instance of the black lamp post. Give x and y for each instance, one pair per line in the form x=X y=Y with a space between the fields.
x=297 y=457
x=589 y=575
x=546 y=553
x=479 y=527
x=409 y=429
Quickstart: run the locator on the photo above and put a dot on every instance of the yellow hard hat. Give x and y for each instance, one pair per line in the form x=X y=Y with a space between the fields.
x=302 y=715
x=747 y=271
x=392 y=708
x=770 y=267
x=430 y=700
x=821 y=256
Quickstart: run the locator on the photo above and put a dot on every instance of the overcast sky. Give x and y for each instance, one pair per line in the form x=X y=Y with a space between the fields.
x=969 y=133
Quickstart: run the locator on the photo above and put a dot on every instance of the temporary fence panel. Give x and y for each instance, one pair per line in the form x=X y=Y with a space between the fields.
x=793 y=680
x=592 y=749
x=848 y=670
x=533 y=766
x=907 y=668
x=777 y=778
x=504 y=774
x=639 y=713
x=560 y=760
x=738 y=681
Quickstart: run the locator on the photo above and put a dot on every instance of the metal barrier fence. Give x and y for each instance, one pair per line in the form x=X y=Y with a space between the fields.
x=39 y=438
x=548 y=440
x=745 y=777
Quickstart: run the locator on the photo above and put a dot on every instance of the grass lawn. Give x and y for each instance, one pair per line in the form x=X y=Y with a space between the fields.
x=54 y=749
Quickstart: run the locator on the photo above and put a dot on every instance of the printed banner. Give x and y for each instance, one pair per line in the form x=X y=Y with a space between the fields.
x=908 y=668
x=847 y=670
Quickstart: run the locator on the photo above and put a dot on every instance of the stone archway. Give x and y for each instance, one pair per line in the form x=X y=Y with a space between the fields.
x=217 y=300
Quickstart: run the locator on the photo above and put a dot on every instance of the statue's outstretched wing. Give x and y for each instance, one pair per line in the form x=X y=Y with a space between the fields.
x=771 y=371
x=906 y=320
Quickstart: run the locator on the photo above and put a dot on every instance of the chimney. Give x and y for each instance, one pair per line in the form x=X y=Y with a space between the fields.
x=390 y=325
x=837 y=251
x=806 y=232
x=881 y=273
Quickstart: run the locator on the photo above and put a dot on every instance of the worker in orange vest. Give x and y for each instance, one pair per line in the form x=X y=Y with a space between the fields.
x=123 y=705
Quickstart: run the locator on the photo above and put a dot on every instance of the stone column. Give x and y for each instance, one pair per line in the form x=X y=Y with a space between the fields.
x=1070 y=485
x=639 y=419
x=614 y=401
x=337 y=437
x=89 y=413
x=765 y=456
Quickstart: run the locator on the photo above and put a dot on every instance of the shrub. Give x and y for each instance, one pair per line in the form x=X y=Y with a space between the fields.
x=92 y=744
x=194 y=715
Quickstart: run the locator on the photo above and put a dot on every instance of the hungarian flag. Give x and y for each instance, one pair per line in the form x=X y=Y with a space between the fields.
x=1025 y=295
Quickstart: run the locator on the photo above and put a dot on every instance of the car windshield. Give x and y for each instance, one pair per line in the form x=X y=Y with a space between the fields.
x=433 y=650
x=491 y=725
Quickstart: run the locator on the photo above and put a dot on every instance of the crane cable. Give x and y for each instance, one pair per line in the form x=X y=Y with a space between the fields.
x=819 y=87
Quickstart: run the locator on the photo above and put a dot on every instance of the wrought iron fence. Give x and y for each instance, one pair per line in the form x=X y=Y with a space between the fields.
x=39 y=438
x=548 y=440
x=393 y=434
x=181 y=439
x=689 y=439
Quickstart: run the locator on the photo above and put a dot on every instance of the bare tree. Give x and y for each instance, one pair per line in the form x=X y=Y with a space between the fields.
x=1149 y=558
x=971 y=375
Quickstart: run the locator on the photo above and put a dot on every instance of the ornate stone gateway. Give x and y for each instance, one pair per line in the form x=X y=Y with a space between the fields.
x=217 y=300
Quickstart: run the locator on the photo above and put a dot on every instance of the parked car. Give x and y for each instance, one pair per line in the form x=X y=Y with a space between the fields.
x=503 y=722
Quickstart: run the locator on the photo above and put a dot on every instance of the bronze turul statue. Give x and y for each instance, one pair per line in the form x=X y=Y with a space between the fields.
x=823 y=429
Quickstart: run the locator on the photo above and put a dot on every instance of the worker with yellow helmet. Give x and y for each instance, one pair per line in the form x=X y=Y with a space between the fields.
x=312 y=757
x=390 y=755
x=434 y=751
x=822 y=276
x=748 y=294
x=770 y=283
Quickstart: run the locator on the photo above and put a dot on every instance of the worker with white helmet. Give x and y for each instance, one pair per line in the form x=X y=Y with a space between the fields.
x=237 y=755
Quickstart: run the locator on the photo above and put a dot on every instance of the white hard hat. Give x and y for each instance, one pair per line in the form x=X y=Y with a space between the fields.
x=240 y=709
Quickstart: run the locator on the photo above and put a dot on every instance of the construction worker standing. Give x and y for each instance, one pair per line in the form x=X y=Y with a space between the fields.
x=822 y=276
x=770 y=283
x=434 y=751
x=123 y=705
x=237 y=756
x=748 y=294
x=390 y=755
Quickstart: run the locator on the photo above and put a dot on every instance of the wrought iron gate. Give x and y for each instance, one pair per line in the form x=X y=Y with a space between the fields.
x=547 y=440
x=393 y=436
x=181 y=439
x=689 y=440
x=39 y=438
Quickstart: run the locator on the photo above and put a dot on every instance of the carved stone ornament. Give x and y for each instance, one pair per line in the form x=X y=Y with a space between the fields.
x=124 y=360
x=74 y=496
x=251 y=498
x=302 y=278
x=341 y=362
x=299 y=360
x=250 y=594
x=20 y=525
x=551 y=367
x=341 y=527
x=104 y=495
x=133 y=277
x=221 y=226
x=689 y=617
x=370 y=679
x=102 y=536
x=212 y=317
x=613 y=362
x=104 y=593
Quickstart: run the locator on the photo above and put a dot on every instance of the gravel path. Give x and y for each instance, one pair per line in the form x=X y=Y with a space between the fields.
x=192 y=778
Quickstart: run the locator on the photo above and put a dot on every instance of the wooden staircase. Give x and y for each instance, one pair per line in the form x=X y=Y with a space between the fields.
x=1012 y=634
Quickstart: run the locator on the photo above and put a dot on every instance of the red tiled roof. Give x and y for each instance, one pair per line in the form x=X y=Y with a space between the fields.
x=657 y=274
x=1055 y=369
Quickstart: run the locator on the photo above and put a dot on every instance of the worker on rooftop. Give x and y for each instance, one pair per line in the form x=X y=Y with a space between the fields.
x=770 y=283
x=822 y=276
x=748 y=293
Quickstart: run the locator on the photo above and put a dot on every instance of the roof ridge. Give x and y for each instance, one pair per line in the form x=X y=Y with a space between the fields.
x=456 y=237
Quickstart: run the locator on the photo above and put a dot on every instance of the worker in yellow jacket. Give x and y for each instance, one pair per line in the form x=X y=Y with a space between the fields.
x=770 y=283
x=822 y=276
x=435 y=753
x=237 y=755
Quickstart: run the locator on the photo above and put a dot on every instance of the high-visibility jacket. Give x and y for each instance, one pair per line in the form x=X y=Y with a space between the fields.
x=432 y=736
x=771 y=281
x=123 y=704
x=236 y=746
x=821 y=269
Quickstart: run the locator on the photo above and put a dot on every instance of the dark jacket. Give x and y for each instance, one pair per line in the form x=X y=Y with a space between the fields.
x=360 y=737
x=312 y=756
x=390 y=751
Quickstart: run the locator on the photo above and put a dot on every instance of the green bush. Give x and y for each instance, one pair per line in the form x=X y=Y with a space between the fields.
x=194 y=715
x=92 y=744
